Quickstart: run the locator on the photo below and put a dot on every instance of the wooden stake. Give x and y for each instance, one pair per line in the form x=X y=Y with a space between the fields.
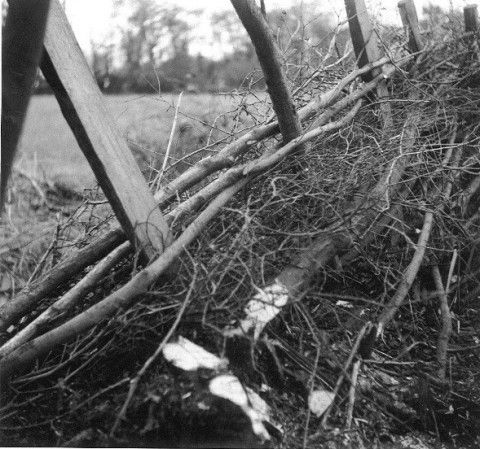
x=364 y=39
x=409 y=16
x=470 y=15
x=365 y=44
x=83 y=106
x=22 y=37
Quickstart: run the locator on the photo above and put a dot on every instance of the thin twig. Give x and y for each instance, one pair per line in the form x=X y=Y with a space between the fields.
x=34 y=183
x=365 y=329
x=445 y=332
x=43 y=259
x=409 y=275
x=351 y=393
x=450 y=270
x=158 y=178
x=311 y=384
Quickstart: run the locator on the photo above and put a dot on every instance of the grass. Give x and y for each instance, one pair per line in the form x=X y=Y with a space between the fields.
x=48 y=149
x=58 y=175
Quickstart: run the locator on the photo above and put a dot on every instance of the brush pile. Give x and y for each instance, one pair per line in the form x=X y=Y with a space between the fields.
x=335 y=276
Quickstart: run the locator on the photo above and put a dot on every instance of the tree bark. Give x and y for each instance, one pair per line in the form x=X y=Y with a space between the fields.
x=21 y=52
x=269 y=58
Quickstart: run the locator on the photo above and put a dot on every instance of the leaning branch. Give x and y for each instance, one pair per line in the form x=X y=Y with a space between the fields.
x=120 y=299
x=227 y=185
x=28 y=299
x=62 y=272
x=293 y=280
x=446 y=330
x=67 y=301
x=269 y=58
x=227 y=156
x=409 y=275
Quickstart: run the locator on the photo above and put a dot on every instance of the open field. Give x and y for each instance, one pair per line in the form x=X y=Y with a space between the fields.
x=58 y=174
x=48 y=148
x=50 y=156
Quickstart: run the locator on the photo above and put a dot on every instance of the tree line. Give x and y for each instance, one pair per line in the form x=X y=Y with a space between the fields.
x=152 y=48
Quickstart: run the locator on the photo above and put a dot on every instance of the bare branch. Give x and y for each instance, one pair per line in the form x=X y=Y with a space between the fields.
x=67 y=301
x=445 y=332
x=269 y=58
x=116 y=301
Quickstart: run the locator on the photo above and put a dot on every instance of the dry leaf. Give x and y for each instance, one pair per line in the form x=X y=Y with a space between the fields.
x=229 y=387
x=319 y=401
x=188 y=356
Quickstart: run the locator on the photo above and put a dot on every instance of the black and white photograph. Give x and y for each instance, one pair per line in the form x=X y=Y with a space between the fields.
x=240 y=224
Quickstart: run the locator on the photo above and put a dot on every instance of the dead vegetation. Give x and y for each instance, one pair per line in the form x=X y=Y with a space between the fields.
x=372 y=230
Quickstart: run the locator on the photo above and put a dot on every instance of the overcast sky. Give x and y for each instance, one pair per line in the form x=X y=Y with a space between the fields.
x=92 y=19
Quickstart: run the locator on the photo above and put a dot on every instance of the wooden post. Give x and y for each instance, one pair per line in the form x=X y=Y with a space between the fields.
x=269 y=57
x=408 y=13
x=21 y=52
x=470 y=15
x=364 y=39
x=365 y=45
x=66 y=70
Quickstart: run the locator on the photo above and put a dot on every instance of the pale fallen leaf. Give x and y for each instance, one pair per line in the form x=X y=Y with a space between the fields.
x=189 y=357
x=346 y=304
x=319 y=401
x=262 y=408
x=263 y=308
x=258 y=404
x=229 y=387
